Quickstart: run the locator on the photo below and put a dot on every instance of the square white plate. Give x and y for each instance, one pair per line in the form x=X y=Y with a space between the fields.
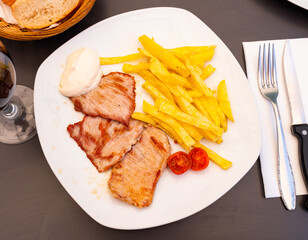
x=176 y=197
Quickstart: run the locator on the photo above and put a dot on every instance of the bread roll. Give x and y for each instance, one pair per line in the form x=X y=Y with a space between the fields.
x=9 y=2
x=36 y=14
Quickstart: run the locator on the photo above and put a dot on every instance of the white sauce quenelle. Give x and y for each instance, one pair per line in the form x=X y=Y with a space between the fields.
x=82 y=73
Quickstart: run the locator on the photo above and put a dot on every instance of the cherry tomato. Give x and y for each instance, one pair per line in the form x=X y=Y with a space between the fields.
x=199 y=159
x=179 y=162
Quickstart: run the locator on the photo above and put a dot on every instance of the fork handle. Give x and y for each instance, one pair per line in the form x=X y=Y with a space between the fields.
x=285 y=173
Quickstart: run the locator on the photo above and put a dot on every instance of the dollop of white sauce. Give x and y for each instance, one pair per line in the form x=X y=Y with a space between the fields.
x=82 y=73
x=6 y=14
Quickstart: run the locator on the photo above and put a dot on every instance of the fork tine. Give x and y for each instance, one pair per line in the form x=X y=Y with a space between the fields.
x=265 y=67
x=260 y=69
x=267 y=72
x=274 y=72
x=270 y=66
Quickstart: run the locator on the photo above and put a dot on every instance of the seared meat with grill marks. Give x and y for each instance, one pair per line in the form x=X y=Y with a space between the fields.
x=133 y=180
x=113 y=98
x=105 y=142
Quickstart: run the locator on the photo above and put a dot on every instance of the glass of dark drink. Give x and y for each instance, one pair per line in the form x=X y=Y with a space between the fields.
x=17 y=123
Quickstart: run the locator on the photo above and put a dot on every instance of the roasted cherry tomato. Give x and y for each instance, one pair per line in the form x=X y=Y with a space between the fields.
x=179 y=162
x=199 y=159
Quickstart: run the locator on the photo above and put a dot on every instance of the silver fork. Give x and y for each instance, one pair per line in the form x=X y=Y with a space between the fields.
x=268 y=86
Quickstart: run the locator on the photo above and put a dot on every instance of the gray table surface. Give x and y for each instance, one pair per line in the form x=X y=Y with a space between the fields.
x=33 y=203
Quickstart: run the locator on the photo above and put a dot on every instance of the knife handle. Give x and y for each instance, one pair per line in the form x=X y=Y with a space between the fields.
x=301 y=132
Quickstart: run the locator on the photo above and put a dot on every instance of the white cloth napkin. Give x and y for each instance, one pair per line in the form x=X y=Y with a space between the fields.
x=268 y=154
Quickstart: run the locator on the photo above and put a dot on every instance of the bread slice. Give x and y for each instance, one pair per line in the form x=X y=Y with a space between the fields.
x=36 y=14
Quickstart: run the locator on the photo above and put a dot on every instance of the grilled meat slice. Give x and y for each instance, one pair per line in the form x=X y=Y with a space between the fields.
x=105 y=142
x=133 y=180
x=113 y=98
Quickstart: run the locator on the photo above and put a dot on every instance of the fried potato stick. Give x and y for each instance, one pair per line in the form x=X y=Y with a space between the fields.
x=220 y=161
x=163 y=55
x=121 y=59
x=167 y=108
x=180 y=131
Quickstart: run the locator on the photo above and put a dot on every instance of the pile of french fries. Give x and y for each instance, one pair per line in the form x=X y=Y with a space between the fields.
x=184 y=106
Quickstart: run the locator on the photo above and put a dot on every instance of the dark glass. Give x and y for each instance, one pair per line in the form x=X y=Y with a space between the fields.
x=7 y=85
x=17 y=123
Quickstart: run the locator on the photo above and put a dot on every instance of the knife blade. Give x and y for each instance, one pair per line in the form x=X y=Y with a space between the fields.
x=299 y=126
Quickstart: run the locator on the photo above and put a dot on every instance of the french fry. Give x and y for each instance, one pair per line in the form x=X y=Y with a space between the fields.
x=163 y=55
x=198 y=83
x=153 y=121
x=211 y=109
x=220 y=161
x=170 y=131
x=129 y=68
x=144 y=118
x=223 y=99
x=150 y=77
x=194 y=94
x=187 y=50
x=197 y=63
x=224 y=124
x=162 y=73
x=220 y=113
x=181 y=133
x=181 y=92
x=207 y=71
x=121 y=59
x=208 y=135
x=219 y=140
x=173 y=89
x=183 y=53
x=153 y=91
x=192 y=131
x=172 y=111
x=180 y=56
x=188 y=108
x=159 y=124
x=201 y=108
x=197 y=69
x=145 y=52
x=159 y=101
x=178 y=78
x=200 y=58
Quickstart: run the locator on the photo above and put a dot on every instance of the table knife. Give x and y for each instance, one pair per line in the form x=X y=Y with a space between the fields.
x=299 y=126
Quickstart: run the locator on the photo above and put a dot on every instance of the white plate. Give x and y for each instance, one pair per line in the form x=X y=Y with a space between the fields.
x=176 y=197
x=300 y=3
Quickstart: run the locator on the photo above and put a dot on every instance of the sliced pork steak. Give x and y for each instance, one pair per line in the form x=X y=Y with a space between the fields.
x=105 y=142
x=134 y=179
x=113 y=98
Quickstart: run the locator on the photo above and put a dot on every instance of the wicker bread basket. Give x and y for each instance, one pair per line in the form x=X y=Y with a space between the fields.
x=14 y=32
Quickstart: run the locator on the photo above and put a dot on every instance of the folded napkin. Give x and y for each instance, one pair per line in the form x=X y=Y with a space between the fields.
x=269 y=153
